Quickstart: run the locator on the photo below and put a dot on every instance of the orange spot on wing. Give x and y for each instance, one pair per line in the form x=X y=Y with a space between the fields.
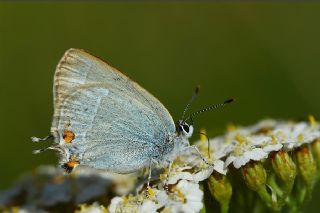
x=68 y=136
x=72 y=164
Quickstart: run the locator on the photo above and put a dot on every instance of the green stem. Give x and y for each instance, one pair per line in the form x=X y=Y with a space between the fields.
x=282 y=193
x=266 y=197
x=292 y=204
x=224 y=207
x=286 y=193
x=274 y=186
x=304 y=197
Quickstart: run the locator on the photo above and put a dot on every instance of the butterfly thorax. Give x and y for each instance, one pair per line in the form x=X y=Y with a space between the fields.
x=175 y=145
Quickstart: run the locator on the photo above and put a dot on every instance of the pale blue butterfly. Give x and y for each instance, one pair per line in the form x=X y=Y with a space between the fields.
x=103 y=119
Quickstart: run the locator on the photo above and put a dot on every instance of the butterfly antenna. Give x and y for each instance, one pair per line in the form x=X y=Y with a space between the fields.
x=208 y=108
x=193 y=97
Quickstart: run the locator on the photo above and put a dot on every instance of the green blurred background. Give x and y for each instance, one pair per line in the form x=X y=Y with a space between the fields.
x=266 y=55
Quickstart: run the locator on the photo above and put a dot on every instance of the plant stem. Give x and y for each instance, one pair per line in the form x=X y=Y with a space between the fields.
x=266 y=197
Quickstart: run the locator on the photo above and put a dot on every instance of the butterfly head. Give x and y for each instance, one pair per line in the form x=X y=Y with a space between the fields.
x=183 y=128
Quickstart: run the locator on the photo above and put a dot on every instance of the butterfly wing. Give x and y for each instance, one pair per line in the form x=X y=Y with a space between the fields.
x=115 y=124
x=78 y=67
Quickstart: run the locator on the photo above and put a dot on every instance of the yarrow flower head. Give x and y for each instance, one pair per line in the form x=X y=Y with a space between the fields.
x=183 y=197
x=272 y=159
x=244 y=150
x=247 y=148
x=294 y=135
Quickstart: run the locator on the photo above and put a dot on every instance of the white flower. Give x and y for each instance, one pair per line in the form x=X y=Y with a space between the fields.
x=161 y=198
x=220 y=147
x=239 y=160
x=229 y=137
x=140 y=202
x=194 y=166
x=272 y=147
x=192 y=193
x=94 y=208
x=184 y=197
x=187 y=198
x=198 y=176
x=261 y=126
x=115 y=202
x=295 y=135
x=243 y=152
x=148 y=206
x=267 y=143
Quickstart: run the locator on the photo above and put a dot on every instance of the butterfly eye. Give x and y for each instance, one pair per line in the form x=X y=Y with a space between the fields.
x=186 y=128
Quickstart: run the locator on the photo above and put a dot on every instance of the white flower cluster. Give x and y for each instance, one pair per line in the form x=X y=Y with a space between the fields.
x=238 y=147
x=183 y=197
x=175 y=191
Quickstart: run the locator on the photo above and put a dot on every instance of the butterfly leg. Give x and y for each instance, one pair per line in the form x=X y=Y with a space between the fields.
x=52 y=147
x=35 y=139
x=148 y=189
x=149 y=176
x=166 y=185
x=204 y=159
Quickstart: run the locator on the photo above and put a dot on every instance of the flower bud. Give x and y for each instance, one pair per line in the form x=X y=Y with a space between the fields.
x=312 y=121
x=220 y=187
x=254 y=175
x=284 y=166
x=307 y=165
x=204 y=145
x=316 y=149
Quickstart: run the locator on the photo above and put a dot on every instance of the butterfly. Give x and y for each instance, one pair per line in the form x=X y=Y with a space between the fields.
x=104 y=120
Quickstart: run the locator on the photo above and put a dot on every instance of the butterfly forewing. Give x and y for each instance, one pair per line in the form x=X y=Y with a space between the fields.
x=78 y=67
x=114 y=123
